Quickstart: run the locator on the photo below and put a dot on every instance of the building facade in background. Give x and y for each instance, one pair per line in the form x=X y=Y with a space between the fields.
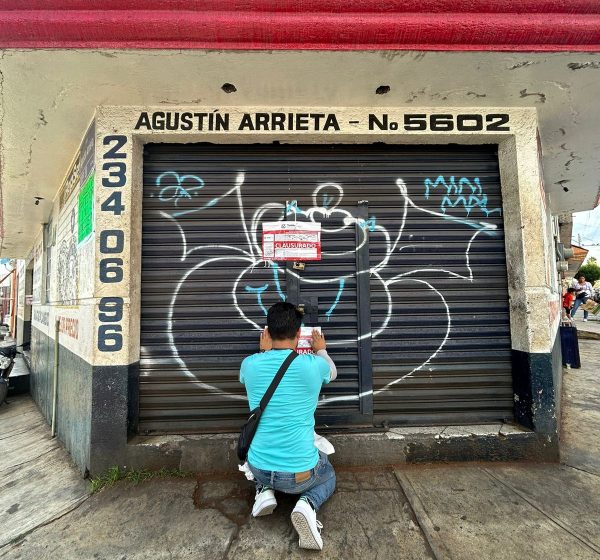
x=436 y=173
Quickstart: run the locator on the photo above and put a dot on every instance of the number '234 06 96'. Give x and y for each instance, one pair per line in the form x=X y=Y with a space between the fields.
x=112 y=243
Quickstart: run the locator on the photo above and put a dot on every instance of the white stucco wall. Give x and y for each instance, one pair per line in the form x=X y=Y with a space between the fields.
x=41 y=126
x=77 y=289
x=530 y=253
x=71 y=280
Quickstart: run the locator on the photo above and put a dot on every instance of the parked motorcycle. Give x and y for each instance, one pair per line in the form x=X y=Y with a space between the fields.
x=8 y=353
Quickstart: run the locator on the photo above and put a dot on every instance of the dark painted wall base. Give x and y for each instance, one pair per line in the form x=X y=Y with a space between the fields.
x=109 y=417
x=557 y=375
x=537 y=379
x=26 y=335
x=74 y=408
x=92 y=412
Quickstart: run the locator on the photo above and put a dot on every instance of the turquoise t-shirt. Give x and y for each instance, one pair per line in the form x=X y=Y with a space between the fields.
x=284 y=440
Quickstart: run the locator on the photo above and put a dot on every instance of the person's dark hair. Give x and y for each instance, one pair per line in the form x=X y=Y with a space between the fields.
x=571 y=290
x=283 y=320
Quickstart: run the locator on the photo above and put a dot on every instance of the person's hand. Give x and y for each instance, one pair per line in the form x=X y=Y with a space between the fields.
x=318 y=341
x=266 y=342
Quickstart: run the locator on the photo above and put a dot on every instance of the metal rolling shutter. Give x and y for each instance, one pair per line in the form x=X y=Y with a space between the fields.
x=447 y=333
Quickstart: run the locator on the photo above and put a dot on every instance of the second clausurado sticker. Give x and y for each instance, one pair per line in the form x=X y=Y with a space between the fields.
x=291 y=241
x=304 y=344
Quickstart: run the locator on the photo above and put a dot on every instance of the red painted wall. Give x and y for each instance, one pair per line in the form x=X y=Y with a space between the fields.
x=504 y=25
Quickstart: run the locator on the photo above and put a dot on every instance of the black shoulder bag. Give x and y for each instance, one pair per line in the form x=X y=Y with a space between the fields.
x=249 y=428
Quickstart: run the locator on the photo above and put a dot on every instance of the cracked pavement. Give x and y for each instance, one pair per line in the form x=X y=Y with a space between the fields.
x=440 y=511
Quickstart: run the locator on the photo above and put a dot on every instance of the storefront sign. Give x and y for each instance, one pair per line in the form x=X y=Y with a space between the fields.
x=397 y=122
x=69 y=326
x=85 y=215
x=42 y=317
x=304 y=344
x=87 y=155
x=70 y=183
x=291 y=241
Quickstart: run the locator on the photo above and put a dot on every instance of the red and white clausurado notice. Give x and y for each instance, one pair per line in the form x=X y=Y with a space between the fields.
x=304 y=344
x=305 y=341
x=291 y=241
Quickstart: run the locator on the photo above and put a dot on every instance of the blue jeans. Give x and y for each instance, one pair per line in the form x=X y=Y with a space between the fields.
x=318 y=488
x=576 y=305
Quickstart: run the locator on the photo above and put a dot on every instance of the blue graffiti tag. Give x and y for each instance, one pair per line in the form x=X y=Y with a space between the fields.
x=292 y=207
x=369 y=224
x=275 y=268
x=337 y=299
x=262 y=289
x=454 y=196
x=259 y=292
x=177 y=191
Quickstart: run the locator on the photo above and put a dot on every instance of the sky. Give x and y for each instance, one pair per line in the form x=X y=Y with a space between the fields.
x=587 y=225
x=4 y=270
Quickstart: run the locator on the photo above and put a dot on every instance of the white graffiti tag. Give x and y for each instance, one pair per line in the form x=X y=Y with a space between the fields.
x=327 y=208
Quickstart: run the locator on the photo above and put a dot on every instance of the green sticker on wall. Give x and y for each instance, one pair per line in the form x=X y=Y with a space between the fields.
x=85 y=215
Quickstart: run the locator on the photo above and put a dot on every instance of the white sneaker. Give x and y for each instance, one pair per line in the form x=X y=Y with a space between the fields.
x=584 y=320
x=264 y=503
x=304 y=519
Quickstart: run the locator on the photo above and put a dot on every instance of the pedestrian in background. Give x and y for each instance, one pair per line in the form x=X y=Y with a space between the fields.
x=568 y=301
x=583 y=291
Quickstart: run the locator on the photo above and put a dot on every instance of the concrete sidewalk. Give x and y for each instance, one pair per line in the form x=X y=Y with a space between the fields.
x=457 y=511
x=590 y=329
x=38 y=482
x=580 y=430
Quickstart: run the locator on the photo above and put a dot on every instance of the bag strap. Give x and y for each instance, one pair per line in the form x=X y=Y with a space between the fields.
x=278 y=376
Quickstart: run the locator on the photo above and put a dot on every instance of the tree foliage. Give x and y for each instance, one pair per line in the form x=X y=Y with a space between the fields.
x=591 y=271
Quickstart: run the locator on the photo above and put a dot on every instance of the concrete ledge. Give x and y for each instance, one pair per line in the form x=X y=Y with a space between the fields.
x=584 y=334
x=588 y=330
x=487 y=442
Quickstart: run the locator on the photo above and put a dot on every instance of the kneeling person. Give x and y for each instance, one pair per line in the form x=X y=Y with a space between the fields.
x=283 y=455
